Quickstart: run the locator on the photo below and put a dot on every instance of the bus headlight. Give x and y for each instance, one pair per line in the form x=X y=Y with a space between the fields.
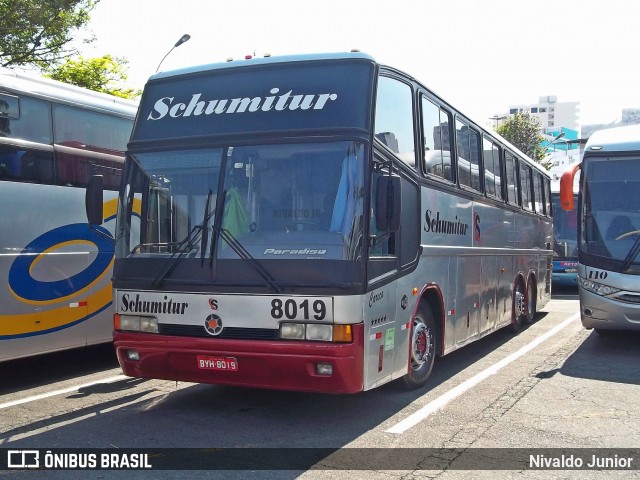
x=292 y=331
x=317 y=332
x=135 y=323
x=597 y=288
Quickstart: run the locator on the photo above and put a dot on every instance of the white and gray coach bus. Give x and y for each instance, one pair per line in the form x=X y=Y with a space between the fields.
x=55 y=271
x=608 y=214
x=319 y=223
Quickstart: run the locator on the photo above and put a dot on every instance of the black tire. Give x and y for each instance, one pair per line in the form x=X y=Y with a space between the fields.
x=518 y=307
x=423 y=343
x=530 y=300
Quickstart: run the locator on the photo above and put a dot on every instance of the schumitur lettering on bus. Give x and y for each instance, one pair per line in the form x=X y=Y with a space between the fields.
x=147 y=306
x=196 y=106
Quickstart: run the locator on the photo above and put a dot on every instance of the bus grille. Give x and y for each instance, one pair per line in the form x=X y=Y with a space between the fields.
x=229 y=332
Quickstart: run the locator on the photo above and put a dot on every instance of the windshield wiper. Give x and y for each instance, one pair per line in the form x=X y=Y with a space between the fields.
x=244 y=254
x=238 y=248
x=205 y=229
x=633 y=253
x=200 y=230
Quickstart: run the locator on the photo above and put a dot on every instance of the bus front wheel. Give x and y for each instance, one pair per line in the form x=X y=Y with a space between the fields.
x=423 y=348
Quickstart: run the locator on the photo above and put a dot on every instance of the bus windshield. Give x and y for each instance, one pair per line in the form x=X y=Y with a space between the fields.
x=611 y=208
x=286 y=201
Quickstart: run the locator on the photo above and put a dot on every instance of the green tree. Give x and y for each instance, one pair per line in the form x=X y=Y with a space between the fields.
x=105 y=74
x=523 y=131
x=38 y=32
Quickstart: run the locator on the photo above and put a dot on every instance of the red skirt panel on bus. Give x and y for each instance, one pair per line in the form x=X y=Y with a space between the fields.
x=279 y=365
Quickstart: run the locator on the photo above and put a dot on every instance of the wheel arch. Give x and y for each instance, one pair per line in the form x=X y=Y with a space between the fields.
x=431 y=295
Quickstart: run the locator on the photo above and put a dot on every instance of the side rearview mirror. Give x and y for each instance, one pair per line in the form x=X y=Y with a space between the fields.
x=566 y=187
x=93 y=201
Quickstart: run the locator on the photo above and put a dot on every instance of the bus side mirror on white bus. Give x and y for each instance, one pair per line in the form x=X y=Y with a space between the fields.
x=93 y=201
x=388 y=203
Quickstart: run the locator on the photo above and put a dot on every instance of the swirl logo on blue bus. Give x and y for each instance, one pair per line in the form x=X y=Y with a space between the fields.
x=30 y=289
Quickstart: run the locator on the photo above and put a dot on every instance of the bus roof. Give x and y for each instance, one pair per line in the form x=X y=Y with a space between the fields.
x=45 y=88
x=268 y=60
x=619 y=139
x=252 y=61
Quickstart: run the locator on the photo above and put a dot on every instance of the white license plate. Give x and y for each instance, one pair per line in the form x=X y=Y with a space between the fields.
x=217 y=363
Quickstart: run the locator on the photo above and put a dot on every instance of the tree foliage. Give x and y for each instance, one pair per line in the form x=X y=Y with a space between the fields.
x=38 y=32
x=523 y=131
x=105 y=74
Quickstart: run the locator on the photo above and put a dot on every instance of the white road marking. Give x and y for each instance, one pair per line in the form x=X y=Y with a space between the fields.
x=440 y=402
x=60 y=392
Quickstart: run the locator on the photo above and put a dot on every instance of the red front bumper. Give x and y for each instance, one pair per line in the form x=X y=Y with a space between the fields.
x=280 y=365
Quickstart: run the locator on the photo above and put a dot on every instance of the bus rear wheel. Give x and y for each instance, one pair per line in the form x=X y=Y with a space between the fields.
x=530 y=312
x=423 y=348
x=519 y=307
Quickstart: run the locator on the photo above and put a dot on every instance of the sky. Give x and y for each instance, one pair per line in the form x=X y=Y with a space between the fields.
x=479 y=55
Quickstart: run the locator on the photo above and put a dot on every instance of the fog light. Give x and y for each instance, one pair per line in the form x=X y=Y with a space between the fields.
x=133 y=355
x=324 y=369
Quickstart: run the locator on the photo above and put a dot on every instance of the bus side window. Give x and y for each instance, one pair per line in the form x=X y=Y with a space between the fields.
x=468 y=140
x=525 y=186
x=33 y=166
x=394 y=118
x=28 y=119
x=513 y=187
x=436 y=145
x=492 y=168
x=537 y=193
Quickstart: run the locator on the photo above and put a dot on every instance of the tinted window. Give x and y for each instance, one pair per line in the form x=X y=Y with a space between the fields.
x=27 y=119
x=513 y=186
x=538 y=195
x=437 y=147
x=525 y=185
x=547 y=196
x=25 y=165
x=394 y=118
x=468 y=141
x=74 y=167
x=492 y=170
x=89 y=130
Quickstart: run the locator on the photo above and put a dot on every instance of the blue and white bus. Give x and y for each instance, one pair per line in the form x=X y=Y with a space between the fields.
x=319 y=223
x=55 y=271
x=565 y=230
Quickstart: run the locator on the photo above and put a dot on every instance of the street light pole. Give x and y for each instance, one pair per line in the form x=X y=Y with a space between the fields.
x=557 y=137
x=183 y=39
x=497 y=119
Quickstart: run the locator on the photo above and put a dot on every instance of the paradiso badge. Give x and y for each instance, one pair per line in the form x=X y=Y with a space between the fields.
x=213 y=325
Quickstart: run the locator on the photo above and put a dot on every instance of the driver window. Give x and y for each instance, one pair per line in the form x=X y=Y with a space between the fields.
x=383 y=244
